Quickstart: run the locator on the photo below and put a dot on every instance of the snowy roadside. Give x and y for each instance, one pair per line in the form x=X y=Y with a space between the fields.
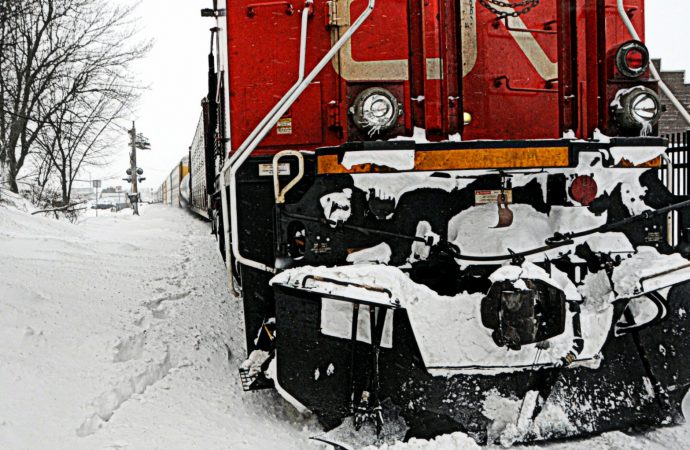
x=119 y=332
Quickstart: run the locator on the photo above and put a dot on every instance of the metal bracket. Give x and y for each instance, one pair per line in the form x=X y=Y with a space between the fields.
x=546 y=30
x=251 y=8
x=498 y=82
x=347 y=283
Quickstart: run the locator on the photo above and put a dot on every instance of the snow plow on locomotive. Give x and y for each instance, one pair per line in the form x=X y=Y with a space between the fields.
x=456 y=218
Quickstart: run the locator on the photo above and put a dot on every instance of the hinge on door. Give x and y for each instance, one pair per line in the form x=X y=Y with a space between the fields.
x=332 y=19
x=334 y=115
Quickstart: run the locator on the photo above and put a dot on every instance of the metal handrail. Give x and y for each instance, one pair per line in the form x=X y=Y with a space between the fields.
x=233 y=157
x=234 y=164
x=367 y=287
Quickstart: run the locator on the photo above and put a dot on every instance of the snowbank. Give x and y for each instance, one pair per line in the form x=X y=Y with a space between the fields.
x=120 y=332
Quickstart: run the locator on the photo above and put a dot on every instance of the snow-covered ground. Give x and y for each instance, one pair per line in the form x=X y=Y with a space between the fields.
x=119 y=332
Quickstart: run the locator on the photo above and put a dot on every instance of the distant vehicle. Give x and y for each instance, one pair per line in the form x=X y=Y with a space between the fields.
x=102 y=206
x=117 y=207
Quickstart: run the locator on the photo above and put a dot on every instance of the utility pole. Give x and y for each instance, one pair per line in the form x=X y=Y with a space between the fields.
x=137 y=141
x=133 y=167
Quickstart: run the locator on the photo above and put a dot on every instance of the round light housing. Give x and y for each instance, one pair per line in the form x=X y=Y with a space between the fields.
x=584 y=189
x=375 y=110
x=632 y=59
x=637 y=108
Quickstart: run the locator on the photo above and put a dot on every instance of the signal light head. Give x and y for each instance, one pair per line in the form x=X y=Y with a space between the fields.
x=632 y=59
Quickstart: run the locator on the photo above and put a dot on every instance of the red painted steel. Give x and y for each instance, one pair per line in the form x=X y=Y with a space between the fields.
x=535 y=76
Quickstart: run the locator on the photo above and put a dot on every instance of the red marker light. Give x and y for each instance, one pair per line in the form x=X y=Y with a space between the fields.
x=635 y=59
x=584 y=190
x=632 y=59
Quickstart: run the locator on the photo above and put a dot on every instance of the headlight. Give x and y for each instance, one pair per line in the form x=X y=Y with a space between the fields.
x=637 y=108
x=375 y=110
x=632 y=59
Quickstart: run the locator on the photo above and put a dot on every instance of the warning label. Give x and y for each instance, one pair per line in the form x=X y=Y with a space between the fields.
x=484 y=197
x=266 y=170
x=284 y=125
x=653 y=236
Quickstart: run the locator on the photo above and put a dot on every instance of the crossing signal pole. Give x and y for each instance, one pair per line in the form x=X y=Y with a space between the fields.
x=133 y=168
x=136 y=141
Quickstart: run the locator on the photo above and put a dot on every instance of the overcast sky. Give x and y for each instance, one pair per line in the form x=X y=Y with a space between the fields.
x=175 y=72
x=668 y=33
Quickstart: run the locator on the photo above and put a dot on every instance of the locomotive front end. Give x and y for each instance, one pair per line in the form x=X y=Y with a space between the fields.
x=407 y=289
x=458 y=218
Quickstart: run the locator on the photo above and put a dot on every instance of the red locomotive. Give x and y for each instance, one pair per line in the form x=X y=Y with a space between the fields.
x=470 y=67
x=448 y=215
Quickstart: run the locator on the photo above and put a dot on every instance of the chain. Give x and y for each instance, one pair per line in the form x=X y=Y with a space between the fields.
x=526 y=5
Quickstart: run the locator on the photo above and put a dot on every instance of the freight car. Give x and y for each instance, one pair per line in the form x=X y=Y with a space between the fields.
x=185 y=186
x=449 y=215
x=173 y=186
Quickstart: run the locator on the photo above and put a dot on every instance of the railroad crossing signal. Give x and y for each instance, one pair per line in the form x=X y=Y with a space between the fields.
x=139 y=172
x=136 y=141
x=140 y=141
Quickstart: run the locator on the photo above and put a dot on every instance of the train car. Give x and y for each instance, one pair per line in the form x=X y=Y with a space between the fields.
x=175 y=185
x=199 y=202
x=164 y=190
x=157 y=195
x=450 y=216
x=185 y=186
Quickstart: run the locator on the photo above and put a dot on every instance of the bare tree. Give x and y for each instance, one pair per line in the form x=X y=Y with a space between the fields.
x=63 y=50
x=9 y=12
x=80 y=133
x=43 y=171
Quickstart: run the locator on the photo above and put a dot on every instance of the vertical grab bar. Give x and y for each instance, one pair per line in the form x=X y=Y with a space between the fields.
x=670 y=229
x=278 y=193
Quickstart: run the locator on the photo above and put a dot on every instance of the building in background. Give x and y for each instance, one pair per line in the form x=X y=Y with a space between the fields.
x=84 y=193
x=671 y=122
